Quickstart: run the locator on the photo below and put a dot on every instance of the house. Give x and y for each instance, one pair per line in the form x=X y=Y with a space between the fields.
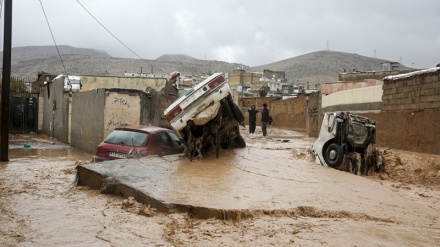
x=85 y=117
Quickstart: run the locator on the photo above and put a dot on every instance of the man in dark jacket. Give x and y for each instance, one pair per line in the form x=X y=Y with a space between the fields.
x=252 y=119
x=264 y=120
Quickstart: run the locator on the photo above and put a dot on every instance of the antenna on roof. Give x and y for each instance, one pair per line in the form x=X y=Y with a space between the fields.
x=327 y=48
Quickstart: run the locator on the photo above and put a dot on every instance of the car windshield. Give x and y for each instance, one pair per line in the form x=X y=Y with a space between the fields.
x=127 y=138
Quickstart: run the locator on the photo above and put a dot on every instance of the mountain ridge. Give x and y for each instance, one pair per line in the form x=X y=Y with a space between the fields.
x=319 y=66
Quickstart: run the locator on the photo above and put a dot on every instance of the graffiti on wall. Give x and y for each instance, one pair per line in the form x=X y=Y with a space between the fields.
x=112 y=122
x=313 y=115
x=121 y=110
x=121 y=101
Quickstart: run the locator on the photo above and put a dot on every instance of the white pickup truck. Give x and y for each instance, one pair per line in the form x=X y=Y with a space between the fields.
x=349 y=139
x=205 y=117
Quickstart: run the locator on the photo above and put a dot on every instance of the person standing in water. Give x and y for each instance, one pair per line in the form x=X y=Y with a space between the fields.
x=252 y=119
x=264 y=120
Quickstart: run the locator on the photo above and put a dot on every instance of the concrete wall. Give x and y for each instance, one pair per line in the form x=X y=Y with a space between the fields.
x=90 y=82
x=56 y=110
x=329 y=88
x=359 y=99
x=313 y=108
x=87 y=129
x=96 y=113
x=267 y=73
x=121 y=108
x=236 y=76
x=154 y=107
x=40 y=112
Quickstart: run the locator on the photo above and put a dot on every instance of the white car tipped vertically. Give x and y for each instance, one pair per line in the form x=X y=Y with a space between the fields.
x=205 y=117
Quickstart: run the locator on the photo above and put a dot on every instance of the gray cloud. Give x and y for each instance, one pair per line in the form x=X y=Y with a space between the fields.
x=252 y=32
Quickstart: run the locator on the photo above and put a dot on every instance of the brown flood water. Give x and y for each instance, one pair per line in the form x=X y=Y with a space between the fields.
x=41 y=206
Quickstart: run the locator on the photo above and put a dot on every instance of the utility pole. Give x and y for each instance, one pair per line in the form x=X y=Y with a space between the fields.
x=241 y=82
x=6 y=81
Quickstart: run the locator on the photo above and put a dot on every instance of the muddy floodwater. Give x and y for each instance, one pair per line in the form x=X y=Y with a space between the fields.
x=40 y=204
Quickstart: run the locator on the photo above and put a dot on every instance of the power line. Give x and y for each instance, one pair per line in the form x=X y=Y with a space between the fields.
x=114 y=36
x=53 y=37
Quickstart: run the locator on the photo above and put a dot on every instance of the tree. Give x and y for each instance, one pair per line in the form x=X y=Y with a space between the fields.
x=17 y=85
x=263 y=91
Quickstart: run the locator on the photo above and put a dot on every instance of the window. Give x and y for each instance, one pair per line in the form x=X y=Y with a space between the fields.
x=176 y=141
x=127 y=138
x=163 y=140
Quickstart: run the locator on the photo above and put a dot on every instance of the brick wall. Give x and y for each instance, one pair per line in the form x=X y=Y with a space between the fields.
x=418 y=90
x=287 y=114
x=416 y=131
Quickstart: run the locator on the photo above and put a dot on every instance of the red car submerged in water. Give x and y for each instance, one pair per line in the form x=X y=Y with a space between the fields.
x=135 y=141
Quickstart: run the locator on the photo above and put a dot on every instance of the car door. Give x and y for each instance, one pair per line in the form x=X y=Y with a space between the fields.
x=167 y=144
x=177 y=143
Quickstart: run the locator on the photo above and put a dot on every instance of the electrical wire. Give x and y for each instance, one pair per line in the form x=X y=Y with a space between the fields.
x=114 y=36
x=54 y=41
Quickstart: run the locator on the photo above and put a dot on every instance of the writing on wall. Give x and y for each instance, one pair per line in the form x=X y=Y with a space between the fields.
x=121 y=101
x=121 y=109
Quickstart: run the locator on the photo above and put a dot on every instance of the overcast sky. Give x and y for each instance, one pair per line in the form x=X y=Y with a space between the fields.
x=251 y=32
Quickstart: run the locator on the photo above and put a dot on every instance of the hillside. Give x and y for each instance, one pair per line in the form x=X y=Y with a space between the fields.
x=175 y=57
x=321 y=66
x=93 y=65
x=28 y=53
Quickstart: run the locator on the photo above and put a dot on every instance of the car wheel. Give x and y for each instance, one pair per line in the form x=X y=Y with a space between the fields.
x=238 y=115
x=333 y=155
x=239 y=142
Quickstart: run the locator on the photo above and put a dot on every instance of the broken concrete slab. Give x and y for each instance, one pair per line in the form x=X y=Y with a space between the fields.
x=247 y=182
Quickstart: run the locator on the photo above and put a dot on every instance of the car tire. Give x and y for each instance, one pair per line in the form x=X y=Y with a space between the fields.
x=239 y=142
x=238 y=115
x=333 y=155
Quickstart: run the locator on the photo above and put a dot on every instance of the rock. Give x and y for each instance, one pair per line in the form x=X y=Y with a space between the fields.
x=384 y=176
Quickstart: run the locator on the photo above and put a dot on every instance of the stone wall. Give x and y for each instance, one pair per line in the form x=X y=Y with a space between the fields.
x=417 y=90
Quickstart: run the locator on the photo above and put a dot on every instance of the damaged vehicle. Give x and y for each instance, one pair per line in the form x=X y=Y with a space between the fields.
x=205 y=118
x=136 y=141
x=348 y=141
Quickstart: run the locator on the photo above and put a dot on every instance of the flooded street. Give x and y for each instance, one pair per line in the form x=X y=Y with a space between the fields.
x=41 y=206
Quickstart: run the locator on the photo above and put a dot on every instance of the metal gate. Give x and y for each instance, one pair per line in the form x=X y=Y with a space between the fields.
x=23 y=115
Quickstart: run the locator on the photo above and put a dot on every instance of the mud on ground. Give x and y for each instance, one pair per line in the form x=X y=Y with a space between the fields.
x=40 y=205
